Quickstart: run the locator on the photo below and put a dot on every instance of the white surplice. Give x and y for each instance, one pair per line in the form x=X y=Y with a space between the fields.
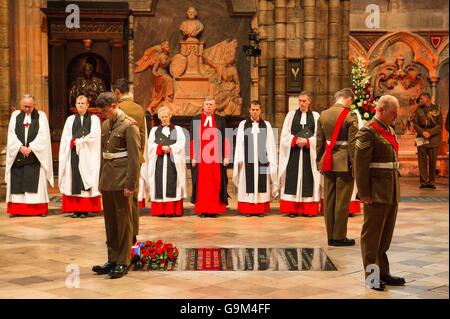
x=179 y=158
x=88 y=149
x=143 y=178
x=239 y=179
x=41 y=147
x=285 y=149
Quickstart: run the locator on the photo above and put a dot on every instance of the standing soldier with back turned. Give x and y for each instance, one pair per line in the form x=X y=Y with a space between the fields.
x=336 y=132
x=136 y=112
x=118 y=178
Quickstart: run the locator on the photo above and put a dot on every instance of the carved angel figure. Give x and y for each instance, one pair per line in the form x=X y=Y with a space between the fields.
x=220 y=66
x=159 y=59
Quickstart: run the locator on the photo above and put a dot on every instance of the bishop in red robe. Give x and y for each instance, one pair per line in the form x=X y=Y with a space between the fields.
x=210 y=154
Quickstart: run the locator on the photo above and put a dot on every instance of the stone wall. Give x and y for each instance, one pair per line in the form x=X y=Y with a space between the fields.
x=4 y=88
x=315 y=30
x=412 y=35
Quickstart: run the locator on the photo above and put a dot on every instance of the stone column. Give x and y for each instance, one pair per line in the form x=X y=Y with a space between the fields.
x=334 y=46
x=433 y=83
x=266 y=34
x=345 y=43
x=29 y=52
x=280 y=63
x=309 y=26
x=5 y=96
x=319 y=83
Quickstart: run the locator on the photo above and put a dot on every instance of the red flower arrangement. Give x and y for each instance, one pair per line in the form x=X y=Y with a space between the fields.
x=146 y=256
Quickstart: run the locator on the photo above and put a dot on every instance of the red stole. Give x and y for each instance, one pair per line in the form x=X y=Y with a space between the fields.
x=387 y=135
x=327 y=162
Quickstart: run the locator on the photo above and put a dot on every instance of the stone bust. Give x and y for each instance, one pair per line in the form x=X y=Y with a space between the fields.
x=191 y=27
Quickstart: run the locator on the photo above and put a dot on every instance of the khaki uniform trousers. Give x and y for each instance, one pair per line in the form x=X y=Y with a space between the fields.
x=338 y=189
x=427 y=163
x=376 y=234
x=119 y=227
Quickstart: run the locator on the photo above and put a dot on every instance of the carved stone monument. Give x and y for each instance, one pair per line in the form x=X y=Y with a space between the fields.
x=193 y=73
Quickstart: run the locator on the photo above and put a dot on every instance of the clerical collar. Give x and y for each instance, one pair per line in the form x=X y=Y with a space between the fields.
x=166 y=130
x=253 y=121
x=27 y=120
x=208 y=121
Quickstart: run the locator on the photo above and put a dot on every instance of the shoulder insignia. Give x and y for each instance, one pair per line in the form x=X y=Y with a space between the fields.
x=362 y=145
x=132 y=122
x=364 y=129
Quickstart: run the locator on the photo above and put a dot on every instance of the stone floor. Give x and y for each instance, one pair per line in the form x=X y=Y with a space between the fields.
x=41 y=257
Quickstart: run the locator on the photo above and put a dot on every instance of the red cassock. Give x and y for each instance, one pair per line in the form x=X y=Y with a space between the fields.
x=209 y=168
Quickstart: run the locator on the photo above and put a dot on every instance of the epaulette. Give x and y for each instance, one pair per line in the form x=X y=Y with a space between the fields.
x=132 y=122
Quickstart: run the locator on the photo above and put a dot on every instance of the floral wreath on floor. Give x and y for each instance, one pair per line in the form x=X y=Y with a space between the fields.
x=363 y=101
x=148 y=255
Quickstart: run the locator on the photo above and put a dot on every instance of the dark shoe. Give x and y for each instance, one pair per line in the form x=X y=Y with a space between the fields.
x=103 y=270
x=12 y=216
x=203 y=215
x=308 y=215
x=431 y=186
x=75 y=215
x=260 y=215
x=213 y=215
x=247 y=215
x=83 y=215
x=393 y=280
x=292 y=215
x=351 y=215
x=423 y=186
x=330 y=242
x=344 y=242
x=42 y=215
x=381 y=286
x=119 y=271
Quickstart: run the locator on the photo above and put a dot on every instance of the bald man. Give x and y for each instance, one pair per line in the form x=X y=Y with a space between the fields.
x=376 y=173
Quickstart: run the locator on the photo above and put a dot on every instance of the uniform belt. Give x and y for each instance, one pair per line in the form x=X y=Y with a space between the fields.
x=111 y=156
x=338 y=142
x=389 y=165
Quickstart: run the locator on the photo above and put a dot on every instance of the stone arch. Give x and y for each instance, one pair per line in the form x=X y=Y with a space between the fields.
x=442 y=54
x=422 y=52
x=356 y=49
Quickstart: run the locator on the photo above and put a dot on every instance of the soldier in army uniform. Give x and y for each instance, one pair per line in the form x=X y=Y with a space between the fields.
x=428 y=122
x=118 y=179
x=376 y=173
x=135 y=111
x=336 y=132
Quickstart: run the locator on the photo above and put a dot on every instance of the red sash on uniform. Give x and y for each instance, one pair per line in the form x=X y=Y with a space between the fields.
x=327 y=163
x=387 y=135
